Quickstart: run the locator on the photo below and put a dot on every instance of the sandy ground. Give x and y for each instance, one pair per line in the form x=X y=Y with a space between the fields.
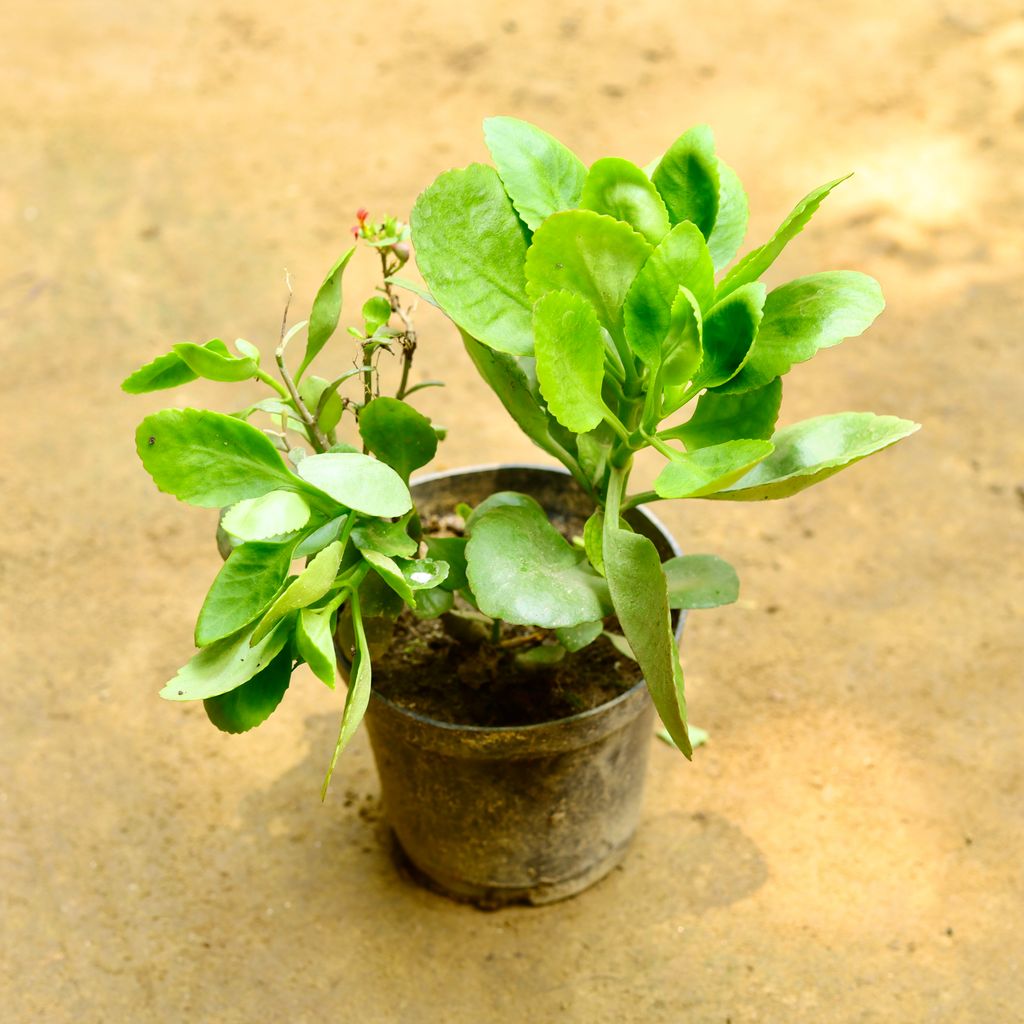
x=847 y=848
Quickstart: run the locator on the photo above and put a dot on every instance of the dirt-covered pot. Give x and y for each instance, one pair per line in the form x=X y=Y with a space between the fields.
x=518 y=814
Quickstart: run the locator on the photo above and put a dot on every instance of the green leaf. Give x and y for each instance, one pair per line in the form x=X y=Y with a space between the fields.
x=698 y=736
x=391 y=574
x=210 y=460
x=540 y=174
x=813 y=450
x=453 y=551
x=308 y=587
x=682 y=348
x=390 y=539
x=166 y=371
x=411 y=286
x=728 y=337
x=208 y=363
x=424 y=573
x=319 y=538
x=588 y=254
x=247 y=348
x=621 y=644
x=226 y=664
x=314 y=640
x=502 y=499
x=758 y=260
x=253 y=702
x=430 y=604
x=706 y=470
x=311 y=391
x=376 y=313
x=723 y=417
x=358 y=482
x=805 y=315
x=470 y=249
x=687 y=178
x=523 y=571
x=682 y=258
x=397 y=434
x=621 y=190
x=247 y=583
x=640 y=596
x=731 y=223
x=542 y=657
x=700 y=581
x=326 y=311
x=570 y=359
x=575 y=638
x=593 y=530
x=270 y=515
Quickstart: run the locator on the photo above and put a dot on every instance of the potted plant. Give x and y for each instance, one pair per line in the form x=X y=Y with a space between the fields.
x=506 y=612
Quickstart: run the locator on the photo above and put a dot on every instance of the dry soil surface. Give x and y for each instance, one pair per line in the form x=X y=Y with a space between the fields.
x=848 y=845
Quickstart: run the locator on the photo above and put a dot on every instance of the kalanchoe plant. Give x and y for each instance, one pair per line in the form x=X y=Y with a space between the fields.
x=293 y=492
x=596 y=304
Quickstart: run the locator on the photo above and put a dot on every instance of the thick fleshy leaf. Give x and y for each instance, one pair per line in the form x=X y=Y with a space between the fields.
x=621 y=190
x=226 y=664
x=569 y=348
x=376 y=313
x=470 y=249
x=451 y=550
x=326 y=311
x=307 y=588
x=575 y=638
x=681 y=258
x=423 y=573
x=728 y=337
x=358 y=482
x=502 y=499
x=397 y=434
x=758 y=260
x=315 y=642
x=522 y=570
x=540 y=174
x=683 y=347
x=166 y=371
x=316 y=540
x=311 y=391
x=390 y=539
x=721 y=417
x=253 y=702
x=731 y=223
x=593 y=533
x=687 y=178
x=389 y=571
x=700 y=581
x=208 y=363
x=588 y=254
x=269 y=515
x=813 y=450
x=210 y=460
x=706 y=470
x=640 y=596
x=247 y=583
x=430 y=604
x=804 y=315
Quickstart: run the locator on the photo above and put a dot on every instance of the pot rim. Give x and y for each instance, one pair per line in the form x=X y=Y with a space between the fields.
x=536 y=728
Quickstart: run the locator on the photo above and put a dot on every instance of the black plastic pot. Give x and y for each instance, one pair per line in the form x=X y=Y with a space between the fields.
x=521 y=814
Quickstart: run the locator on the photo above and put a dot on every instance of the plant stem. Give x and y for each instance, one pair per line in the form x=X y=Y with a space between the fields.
x=640 y=499
x=268 y=380
x=496 y=631
x=408 y=338
x=316 y=437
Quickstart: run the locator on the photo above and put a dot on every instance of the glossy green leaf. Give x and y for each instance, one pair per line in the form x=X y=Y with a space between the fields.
x=687 y=178
x=210 y=460
x=813 y=450
x=314 y=640
x=390 y=539
x=805 y=315
x=570 y=359
x=247 y=348
x=376 y=313
x=312 y=390
x=523 y=571
x=326 y=311
x=758 y=260
x=358 y=482
x=247 y=583
x=682 y=258
x=254 y=701
x=431 y=604
x=451 y=550
x=502 y=499
x=621 y=190
x=540 y=174
x=728 y=337
x=270 y=515
x=593 y=531
x=575 y=638
x=700 y=581
x=226 y=664
x=722 y=417
x=541 y=657
x=211 y=364
x=397 y=434
x=424 y=573
x=640 y=596
x=706 y=470
x=317 y=539
x=731 y=223
x=683 y=348
x=166 y=371
x=411 y=286
x=588 y=254
x=307 y=588
x=471 y=249
x=391 y=574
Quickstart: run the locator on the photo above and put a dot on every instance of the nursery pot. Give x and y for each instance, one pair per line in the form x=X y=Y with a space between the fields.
x=519 y=814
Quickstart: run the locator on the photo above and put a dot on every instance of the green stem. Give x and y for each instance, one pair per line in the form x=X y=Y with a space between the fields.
x=496 y=631
x=656 y=442
x=640 y=499
x=267 y=379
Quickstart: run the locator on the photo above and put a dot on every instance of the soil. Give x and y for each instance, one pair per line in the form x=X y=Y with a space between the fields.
x=428 y=671
x=846 y=849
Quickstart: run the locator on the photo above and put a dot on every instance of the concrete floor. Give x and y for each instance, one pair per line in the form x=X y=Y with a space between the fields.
x=846 y=848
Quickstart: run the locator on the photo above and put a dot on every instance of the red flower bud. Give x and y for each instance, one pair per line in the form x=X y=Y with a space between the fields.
x=361 y=214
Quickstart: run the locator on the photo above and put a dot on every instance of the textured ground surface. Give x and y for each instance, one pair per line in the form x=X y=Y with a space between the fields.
x=848 y=846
